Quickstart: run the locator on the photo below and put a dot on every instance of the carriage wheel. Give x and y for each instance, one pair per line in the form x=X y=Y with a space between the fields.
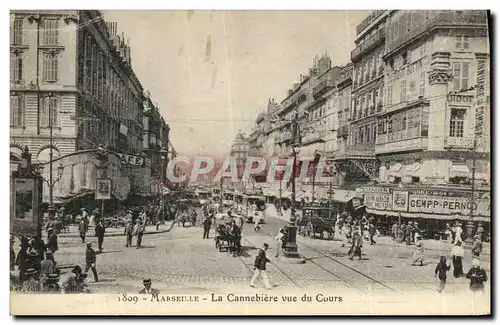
x=321 y=234
x=310 y=230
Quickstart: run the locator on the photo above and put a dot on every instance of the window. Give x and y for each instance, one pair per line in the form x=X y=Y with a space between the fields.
x=368 y=133
x=395 y=30
x=374 y=132
x=413 y=88
x=361 y=134
x=16 y=32
x=83 y=180
x=422 y=83
x=397 y=180
x=50 y=106
x=50 y=67
x=16 y=111
x=460 y=75
x=389 y=94
x=415 y=179
x=51 y=32
x=16 y=67
x=462 y=42
x=457 y=119
x=403 y=91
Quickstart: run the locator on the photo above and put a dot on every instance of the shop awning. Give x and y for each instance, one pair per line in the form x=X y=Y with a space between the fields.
x=412 y=170
x=459 y=170
x=428 y=216
x=343 y=196
x=395 y=170
x=268 y=192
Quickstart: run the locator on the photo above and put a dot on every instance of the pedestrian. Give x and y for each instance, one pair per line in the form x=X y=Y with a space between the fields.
x=477 y=276
x=440 y=272
x=458 y=233
x=357 y=243
x=394 y=231
x=477 y=246
x=448 y=233
x=12 y=253
x=457 y=255
x=207 y=223
x=99 y=232
x=408 y=232
x=30 y=285
x=90 y=261
x=418 y=255
x=139 y=232
x=279 y=241
x=46 y=267
x=260 y=267
x=82 y=228
x=371 y=230
x=147 y=288
x=256 y=220
x=52 y=244
x=129 y=233
x=480 y=230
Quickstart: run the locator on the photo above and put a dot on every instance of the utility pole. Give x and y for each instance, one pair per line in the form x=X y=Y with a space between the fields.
x=331 y=192
x=51 y=154
x=470 y=225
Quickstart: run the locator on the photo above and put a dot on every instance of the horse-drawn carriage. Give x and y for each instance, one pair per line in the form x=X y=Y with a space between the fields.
x=228 y=239
x=317 y=219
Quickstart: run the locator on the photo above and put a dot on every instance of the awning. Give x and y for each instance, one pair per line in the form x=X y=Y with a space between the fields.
x=395 y=170
x=412 y=170
x=459 y=170
x=268 y=192
x=428 y=216
x=343 y=195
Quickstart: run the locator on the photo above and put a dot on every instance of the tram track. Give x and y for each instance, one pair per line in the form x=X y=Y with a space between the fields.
x=338 y=276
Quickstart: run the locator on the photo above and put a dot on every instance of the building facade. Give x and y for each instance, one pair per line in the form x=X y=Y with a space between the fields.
x=73 y=90
x=433 y=131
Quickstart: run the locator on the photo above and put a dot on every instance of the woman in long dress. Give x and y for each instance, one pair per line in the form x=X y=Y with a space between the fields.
x=457 y=255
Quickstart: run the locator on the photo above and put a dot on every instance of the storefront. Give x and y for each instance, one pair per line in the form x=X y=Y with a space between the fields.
x=433 y=207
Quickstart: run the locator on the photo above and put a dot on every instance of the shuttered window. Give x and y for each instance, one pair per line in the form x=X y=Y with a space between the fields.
x=16 y=111
x=50 y=67
x=49 y=107
x=51 y=32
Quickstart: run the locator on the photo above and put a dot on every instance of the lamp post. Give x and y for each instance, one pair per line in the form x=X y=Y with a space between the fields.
x=51 y=182
x=291 y=245
x=163 y=158
x=331 y=192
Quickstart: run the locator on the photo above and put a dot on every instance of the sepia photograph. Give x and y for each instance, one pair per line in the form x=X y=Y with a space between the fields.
x=250 y=162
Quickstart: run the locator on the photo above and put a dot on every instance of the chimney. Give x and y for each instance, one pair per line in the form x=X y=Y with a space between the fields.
x=290 y=92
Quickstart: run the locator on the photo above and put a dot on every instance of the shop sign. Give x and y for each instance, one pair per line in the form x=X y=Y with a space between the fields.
x=378 y=198
x=131 y=160
x=449 y=202
x=480 y=95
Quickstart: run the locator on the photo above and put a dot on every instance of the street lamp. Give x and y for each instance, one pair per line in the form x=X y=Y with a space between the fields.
x=51 y=182
x=291 y=245
x=163 y=157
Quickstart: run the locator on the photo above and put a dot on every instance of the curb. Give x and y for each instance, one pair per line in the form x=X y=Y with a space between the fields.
x=68 y=235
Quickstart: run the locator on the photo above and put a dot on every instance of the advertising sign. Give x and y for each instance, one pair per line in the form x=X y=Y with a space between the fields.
x=449 y=202
x=378 y=198
x=103 y=189
x=481 y=85
x=25 y=202
x=400 y=201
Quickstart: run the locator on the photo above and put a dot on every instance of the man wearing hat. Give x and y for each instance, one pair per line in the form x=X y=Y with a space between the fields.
x=129 y=232
x=477 y=246
x=52 y=241
x=83 y=227
x=477 y=276
x=147 y=288
x=260 y=267
x=139 y=232
x=90 y=260
x=99 y=233
x=30 y=285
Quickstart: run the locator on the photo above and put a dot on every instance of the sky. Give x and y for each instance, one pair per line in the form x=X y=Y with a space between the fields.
x=212 y=72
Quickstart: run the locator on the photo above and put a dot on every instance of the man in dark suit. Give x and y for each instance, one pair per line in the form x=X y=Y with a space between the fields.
x=260 y=267
x=99 y=232
x=147 y=288
x=207 y=223
x=90 y=261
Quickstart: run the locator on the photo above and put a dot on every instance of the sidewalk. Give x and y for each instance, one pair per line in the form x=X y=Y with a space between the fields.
x=149 y=229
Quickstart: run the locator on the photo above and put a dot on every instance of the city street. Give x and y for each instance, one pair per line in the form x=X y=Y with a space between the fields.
x=180 y=261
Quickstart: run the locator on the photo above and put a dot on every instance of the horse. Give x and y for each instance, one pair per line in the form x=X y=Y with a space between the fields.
x=192 y=218
x=183 y=218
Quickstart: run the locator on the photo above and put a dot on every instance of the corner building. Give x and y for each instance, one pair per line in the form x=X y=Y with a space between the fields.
x=433 y=132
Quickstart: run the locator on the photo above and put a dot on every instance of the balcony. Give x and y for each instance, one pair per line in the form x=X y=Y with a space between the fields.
x=322 y=88
x=383 y=146
x=374 y=40
x=357 y=151
x=435 y=19
x=459 y=143
x=344 y=77
x=310 y=138
x=302 y=95
x=460 y=99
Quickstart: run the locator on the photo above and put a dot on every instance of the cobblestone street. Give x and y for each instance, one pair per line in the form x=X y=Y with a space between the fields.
x=181 y=261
